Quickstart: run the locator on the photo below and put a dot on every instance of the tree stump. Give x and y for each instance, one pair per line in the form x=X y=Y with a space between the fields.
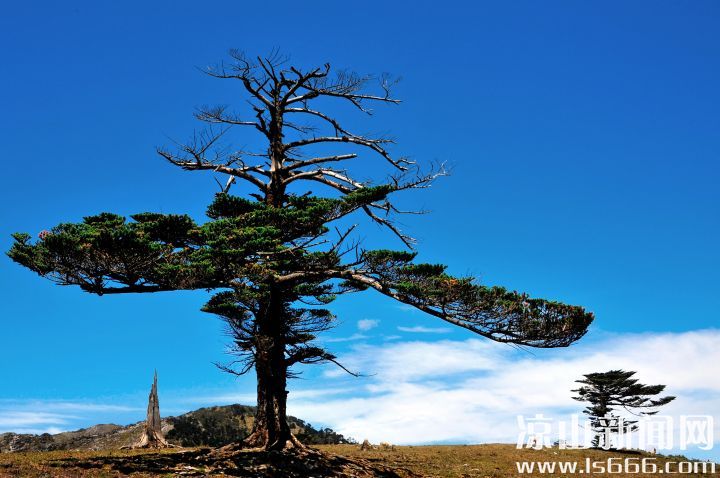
x=152 y=436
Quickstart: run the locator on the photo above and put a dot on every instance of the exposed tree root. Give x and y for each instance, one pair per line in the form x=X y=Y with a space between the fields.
x=257 y=442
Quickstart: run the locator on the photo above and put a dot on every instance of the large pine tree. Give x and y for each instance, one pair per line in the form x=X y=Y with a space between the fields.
x=279 y=255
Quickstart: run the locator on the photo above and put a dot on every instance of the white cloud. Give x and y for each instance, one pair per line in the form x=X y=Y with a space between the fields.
x=408 y=361
x=54 y=416
x=367 y=324
x=18 y=419
x=472 y=391
x=62 y=405
x=419 y=329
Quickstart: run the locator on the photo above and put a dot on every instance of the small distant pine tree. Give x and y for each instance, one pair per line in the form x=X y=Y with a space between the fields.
x=606 y=392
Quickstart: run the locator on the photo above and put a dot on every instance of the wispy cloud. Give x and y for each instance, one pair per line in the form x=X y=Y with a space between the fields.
x=62 y=405
x=18 y=419
x=419 y=329
x=54 y=416
x=367 y=324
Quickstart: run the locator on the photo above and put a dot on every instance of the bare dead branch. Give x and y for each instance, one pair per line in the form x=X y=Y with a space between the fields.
x=320 y=160
x=203 y=165
x=373 y=144
x=218 y=115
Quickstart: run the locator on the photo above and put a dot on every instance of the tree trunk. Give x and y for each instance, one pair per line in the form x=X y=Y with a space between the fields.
x=271 y=430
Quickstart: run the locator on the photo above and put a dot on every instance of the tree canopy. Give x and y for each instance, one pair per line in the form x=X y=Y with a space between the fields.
x=248 y=244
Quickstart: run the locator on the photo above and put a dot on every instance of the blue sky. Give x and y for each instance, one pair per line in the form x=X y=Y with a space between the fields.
x=583 y=138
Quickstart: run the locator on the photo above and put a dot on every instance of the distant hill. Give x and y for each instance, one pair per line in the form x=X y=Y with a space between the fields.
x=212 y=426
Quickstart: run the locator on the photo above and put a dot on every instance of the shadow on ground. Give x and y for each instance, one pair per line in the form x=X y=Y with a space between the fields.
x=208 y=462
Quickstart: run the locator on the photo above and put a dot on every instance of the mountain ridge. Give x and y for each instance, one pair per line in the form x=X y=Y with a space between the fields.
x=207 y=426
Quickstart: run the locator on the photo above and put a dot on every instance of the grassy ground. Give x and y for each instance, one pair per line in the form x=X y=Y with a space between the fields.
x=431 y=461
x=51 y=463
x=493 y=460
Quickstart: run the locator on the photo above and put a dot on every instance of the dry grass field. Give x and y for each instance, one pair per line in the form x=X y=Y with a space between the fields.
x=493 y=460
